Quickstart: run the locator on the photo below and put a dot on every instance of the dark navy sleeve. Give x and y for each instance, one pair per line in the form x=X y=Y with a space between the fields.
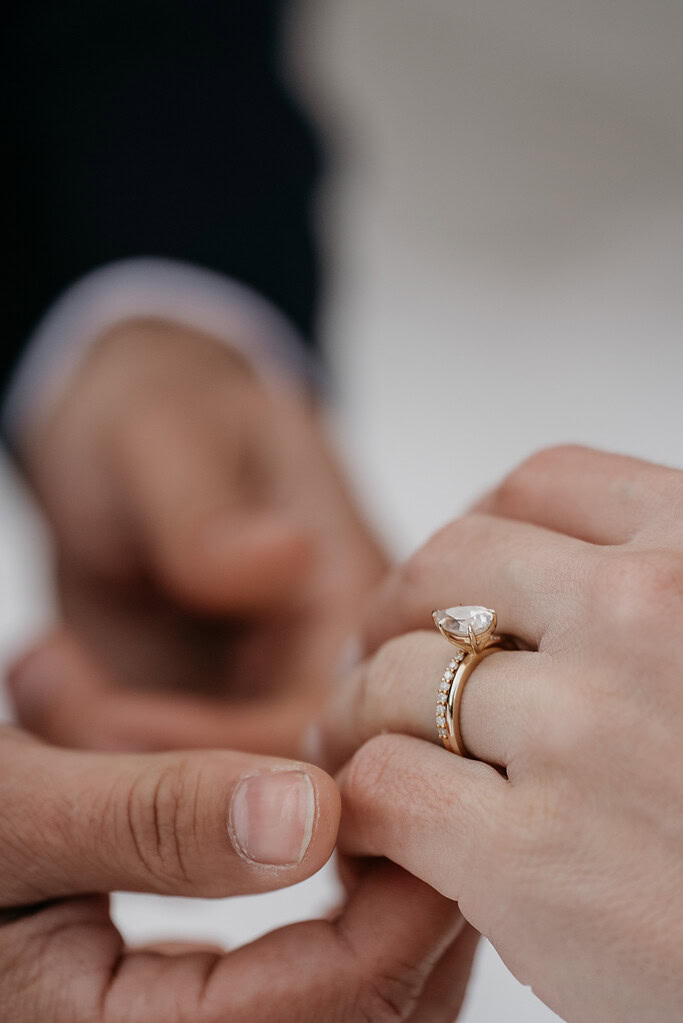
x=151 y=129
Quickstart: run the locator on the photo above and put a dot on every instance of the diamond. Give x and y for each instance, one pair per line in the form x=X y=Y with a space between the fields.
x=448 y=676
x=440 y=720
x=442 y=699
x=455 y=661
x=443 y=733
x=444 y=687
x=456 y=621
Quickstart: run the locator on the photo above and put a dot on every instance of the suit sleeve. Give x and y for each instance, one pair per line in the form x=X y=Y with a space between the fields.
x=151 y=130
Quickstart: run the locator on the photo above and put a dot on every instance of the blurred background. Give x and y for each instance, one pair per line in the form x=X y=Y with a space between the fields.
x=502 y=224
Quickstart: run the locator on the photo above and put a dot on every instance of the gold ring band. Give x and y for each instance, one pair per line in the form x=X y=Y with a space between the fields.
x=471 y=629
x=453 y=739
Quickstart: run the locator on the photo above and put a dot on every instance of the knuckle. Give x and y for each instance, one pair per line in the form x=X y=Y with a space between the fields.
x=417 y=570
x=669 y=484
x=417 y=574
x=550 y=458
x=462 y=529
x=383 y=667
x=377 y=682
x=409 y=572
x=374 y=679
x=408 y=577
x=33 y=982
x=390 y=993
x=21 y=988
x=161 y=821
x=517 y=485
x=638 y=591
x=364 y=779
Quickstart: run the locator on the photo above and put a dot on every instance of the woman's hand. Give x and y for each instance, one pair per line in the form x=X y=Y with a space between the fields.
x=572 y=862
x=74 y=826
x=206 y=542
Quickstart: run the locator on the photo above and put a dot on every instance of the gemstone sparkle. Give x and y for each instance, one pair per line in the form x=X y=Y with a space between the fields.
x=456 y=621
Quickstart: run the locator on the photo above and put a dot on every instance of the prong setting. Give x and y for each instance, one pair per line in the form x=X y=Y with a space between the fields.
x=469 y=628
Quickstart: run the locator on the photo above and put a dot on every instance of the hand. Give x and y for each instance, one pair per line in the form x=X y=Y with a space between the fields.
x=571 y=861
x=205 y=541
x=74 y=826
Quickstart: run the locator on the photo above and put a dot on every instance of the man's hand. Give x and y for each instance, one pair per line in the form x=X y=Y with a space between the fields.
x=205 y=538
x=74 y=826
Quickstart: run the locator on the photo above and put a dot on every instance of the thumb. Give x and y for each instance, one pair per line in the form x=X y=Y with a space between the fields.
x=61 y=694
x=196 y=824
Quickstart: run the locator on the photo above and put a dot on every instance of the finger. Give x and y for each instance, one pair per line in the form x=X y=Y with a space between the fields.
x=591 y=495
x=195 y=518
x=371 y=963
x=211 y=824
x=61 y=694
x=396 y=690
x=522 y=571
x=443 y=996
x=179 y=948
x=454 y=807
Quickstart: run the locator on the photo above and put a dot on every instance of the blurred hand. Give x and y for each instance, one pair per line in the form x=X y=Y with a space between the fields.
x=571 y=860
x=74 y=826
x=206 y=542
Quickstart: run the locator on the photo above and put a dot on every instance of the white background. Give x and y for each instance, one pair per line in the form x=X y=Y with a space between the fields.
x=504 y=226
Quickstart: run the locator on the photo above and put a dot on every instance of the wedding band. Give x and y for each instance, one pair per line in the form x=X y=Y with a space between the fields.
x=472 y=630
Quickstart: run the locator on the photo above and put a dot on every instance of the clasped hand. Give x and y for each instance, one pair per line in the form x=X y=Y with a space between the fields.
x=205 y=540
x=562 y=841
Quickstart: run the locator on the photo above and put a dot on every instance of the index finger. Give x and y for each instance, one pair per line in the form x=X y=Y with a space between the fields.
x=454 y=808
x=61 y=694
x=397 y=690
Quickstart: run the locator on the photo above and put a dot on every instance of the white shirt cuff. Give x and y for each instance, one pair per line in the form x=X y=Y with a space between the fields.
x=143 y=287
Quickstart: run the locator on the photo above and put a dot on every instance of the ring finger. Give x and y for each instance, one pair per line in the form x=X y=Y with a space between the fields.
x=395 y=690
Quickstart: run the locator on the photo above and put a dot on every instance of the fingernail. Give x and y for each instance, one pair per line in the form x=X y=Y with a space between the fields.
x=32 y=681
x=271 y=817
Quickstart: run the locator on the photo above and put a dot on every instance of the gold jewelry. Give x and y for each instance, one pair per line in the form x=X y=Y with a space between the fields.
x=472 y=631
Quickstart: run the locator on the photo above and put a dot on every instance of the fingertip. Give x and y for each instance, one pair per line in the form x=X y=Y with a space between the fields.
x=52 y=674
x=328 y=813
x=284 y=815
x=259 y=557
x=234 y=564
x=268 y=534
x=33 y=678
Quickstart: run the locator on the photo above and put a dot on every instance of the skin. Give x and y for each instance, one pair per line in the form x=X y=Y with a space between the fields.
x=77 y=825
x=207 y=546
x=568 y=853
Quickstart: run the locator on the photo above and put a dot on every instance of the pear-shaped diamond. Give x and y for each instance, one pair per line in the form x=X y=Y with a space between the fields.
x=456 y=621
